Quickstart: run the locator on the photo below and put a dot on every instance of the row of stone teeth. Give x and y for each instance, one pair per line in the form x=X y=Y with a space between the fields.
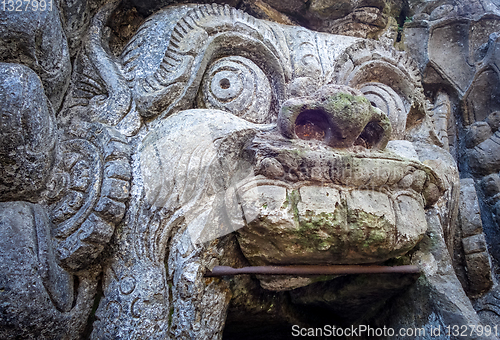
x=413 y=178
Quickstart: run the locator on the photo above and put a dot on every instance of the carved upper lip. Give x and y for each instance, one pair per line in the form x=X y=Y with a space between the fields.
x=296 y=161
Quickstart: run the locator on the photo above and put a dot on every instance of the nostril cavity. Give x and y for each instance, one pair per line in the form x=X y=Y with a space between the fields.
x=312 y=124
x=371 y=135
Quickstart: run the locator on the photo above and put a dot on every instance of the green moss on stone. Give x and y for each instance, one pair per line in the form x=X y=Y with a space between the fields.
x=293 y=197
x=345 y=103
x=170 y=316
x=313 y=228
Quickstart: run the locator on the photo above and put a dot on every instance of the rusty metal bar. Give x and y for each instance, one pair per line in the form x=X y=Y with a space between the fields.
x=312 y=270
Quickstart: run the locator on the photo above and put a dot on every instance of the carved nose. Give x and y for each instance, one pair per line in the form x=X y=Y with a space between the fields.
x=339 y=116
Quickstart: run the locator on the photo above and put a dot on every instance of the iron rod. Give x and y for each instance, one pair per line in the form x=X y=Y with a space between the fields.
x=312 y=270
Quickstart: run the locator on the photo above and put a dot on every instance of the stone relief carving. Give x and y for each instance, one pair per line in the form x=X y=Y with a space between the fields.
x=473 y=26
x=214 y=138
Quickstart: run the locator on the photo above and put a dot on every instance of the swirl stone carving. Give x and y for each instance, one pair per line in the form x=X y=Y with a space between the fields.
x=237 y=85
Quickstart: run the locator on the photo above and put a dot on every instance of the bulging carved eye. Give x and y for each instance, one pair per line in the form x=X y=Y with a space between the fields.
x=237 y=85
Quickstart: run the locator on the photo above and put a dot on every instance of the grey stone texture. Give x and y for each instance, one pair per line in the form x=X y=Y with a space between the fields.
x=145 y=142
x=469 y=209
x=28 y=134
x=39 y=300
x=477 y=259
x=36 y=39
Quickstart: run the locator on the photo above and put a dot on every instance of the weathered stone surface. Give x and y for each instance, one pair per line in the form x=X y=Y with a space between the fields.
x=403 y=148
x=341 y=117
x=487 y=307
x=479 y=271
x=491 y=184
x=474 y=244
x=75 y=20
x=227 y=135
x=275 y=215
x=483 y=159
x=35 y=38
x=417 y=307
x=334 y=227
x=496 y=212
x=477 y=260
x=233 y=84
x=34 y=291
x=470 y=214
x=28 y=134
x=477 y=133
x=444 y=35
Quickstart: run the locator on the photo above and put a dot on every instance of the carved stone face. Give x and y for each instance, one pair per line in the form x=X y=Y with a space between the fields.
x=312 y=148
x=290 y=147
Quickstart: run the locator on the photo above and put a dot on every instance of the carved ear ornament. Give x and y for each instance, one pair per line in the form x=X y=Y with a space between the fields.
x=88 y=194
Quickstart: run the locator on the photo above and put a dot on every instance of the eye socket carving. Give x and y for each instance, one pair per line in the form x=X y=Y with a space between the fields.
x=237 y=85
